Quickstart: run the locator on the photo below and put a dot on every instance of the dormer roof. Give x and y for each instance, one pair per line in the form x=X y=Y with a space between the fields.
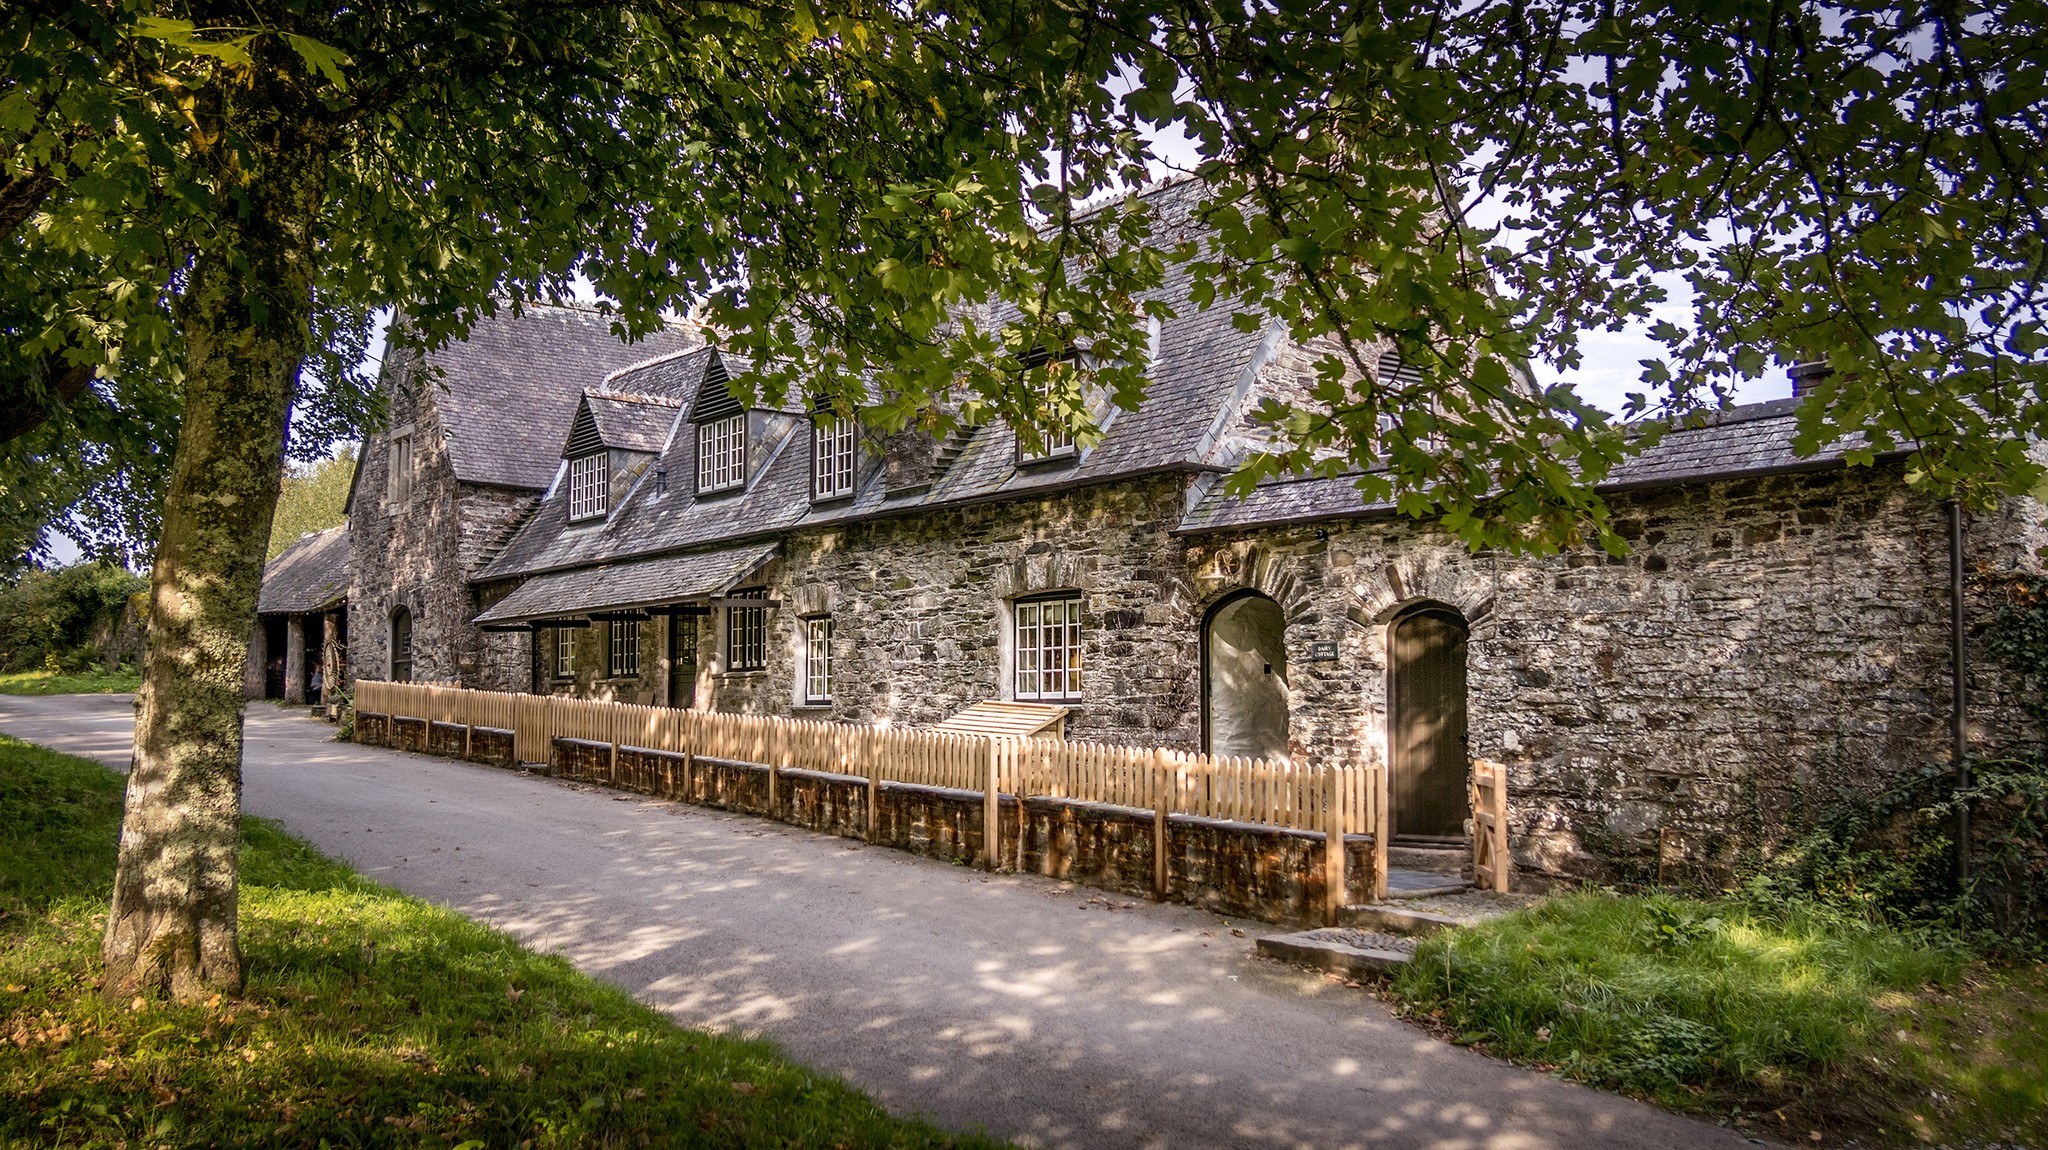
x=621 y=422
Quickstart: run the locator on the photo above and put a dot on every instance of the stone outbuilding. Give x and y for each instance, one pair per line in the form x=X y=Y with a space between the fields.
x=302 y=621
x=620 y=526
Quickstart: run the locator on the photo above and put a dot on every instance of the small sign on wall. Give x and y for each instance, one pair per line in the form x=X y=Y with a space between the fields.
x=1322 y=650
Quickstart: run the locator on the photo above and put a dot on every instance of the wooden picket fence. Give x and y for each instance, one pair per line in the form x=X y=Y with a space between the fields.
x=1489 y=799
x=1262 y=792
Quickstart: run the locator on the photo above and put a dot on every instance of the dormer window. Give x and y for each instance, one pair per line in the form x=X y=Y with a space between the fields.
x=590 y=487
x=834 y=447
x=1055 y=435
x=722 y=453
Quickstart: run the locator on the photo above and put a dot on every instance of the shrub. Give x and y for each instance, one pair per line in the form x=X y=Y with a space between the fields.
x=55 y=620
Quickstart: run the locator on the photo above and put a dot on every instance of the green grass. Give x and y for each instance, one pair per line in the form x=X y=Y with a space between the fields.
x=59 y=683
x=369 y=1019
x=1791 y=1019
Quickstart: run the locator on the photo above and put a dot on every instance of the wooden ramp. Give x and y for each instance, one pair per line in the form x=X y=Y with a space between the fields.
x=1012 y=720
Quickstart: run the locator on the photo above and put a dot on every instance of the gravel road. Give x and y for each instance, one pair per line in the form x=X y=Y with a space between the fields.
x=1048 y=1014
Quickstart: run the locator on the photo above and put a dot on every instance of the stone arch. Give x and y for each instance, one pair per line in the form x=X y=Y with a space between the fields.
x=1246 y=565
x=1037 y=571
x=1461 y=582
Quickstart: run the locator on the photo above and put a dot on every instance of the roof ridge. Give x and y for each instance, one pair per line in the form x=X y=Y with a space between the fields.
x=602 y=392
x=652 y=360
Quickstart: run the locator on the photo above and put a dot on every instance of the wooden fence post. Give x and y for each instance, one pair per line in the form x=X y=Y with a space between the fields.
x=1382 y=831
x=872 y=767
x=1333 y=845
x=991 y=809
x=1162 y=805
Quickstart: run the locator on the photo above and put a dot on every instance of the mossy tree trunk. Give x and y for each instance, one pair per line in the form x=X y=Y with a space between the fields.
x=244 y=316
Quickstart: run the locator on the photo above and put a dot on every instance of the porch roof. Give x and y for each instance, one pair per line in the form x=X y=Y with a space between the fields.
x=622 y=586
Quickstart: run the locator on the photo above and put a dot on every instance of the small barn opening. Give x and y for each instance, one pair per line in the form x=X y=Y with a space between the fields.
x=1244 y=678
x=401 y=645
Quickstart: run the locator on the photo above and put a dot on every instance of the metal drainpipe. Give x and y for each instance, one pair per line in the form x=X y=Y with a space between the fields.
x=1959 y=695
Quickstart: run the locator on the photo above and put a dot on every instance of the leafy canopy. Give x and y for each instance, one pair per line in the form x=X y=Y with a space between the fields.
x=894 y=202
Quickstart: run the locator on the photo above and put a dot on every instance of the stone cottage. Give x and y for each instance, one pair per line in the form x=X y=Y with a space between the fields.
x=1778 y=630
x=471 y=442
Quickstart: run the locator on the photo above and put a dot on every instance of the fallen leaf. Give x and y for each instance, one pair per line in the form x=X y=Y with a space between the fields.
x=744 y=1088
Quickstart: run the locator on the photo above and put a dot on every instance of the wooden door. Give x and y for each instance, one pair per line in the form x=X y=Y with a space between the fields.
x=682 y=660
x=1426 y=725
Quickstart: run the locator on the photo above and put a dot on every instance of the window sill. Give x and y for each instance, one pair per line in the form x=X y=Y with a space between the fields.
x=749 y=673
x=832 y=500
x=813 y=705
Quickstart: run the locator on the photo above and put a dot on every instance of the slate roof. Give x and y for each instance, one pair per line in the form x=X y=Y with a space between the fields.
x=1755 y=439
x=1203 y=369
x=1201 y=380
x=310 y=575
x=619 y=586
x=633 y=422
x=508 y=390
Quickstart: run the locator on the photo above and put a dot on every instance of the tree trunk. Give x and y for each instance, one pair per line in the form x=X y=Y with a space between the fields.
x=244 y=317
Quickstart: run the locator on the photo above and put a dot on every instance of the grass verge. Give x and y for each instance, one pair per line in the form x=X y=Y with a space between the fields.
x=1790 y=1020
x=58 y=683
x=370 y=1019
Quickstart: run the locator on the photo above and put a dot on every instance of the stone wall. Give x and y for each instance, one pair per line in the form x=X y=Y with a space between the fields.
x=1766 y=643
x=418 y=552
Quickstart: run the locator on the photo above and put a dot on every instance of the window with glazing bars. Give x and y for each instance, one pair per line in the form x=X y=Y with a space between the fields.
x=1048 y=648
x=833 y=447
x=746 y=633
x=625 y=647
x=565 y=653
x=818 y=659
x=398 y=487
x=590 y=486
x=722 y=453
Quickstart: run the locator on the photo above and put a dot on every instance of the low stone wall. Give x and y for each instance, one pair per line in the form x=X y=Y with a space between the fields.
x=489 y=745
x=1232 y=868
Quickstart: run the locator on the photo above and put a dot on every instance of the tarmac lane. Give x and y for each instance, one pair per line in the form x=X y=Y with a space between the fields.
x=1045 y=1013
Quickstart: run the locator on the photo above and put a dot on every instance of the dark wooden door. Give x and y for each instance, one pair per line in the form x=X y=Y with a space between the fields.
x=1426 y=725
x=682 y=660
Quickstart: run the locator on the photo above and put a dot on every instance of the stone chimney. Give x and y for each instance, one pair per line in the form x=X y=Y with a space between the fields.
x=1805 y=376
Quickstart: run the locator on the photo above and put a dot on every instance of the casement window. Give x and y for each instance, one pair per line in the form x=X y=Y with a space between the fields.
x=834 y=446
x=624 y=647
x=722 y=453
x=818 y=659
x=590 y=486
x=565 y=653
x=1046 y=643
x=746 y=633
x=401 y=646
x=398 y=485
x=1054 y=442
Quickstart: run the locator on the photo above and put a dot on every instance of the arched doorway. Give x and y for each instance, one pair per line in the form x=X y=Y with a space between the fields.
x=1426 y=748
x=401 y=645
x=1244 y=678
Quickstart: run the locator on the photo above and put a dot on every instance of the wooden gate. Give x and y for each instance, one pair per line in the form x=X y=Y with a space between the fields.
x=1489 y=825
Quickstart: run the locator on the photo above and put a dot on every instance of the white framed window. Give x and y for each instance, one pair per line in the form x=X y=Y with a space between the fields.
x=818 y=659
x=398 y=486
x=623 y=646
x=834 y=447
x=1053 y=443
x=1046 y=634
x=590 y=486
x=722 y=453
x=746 y=633
x=565 y=653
